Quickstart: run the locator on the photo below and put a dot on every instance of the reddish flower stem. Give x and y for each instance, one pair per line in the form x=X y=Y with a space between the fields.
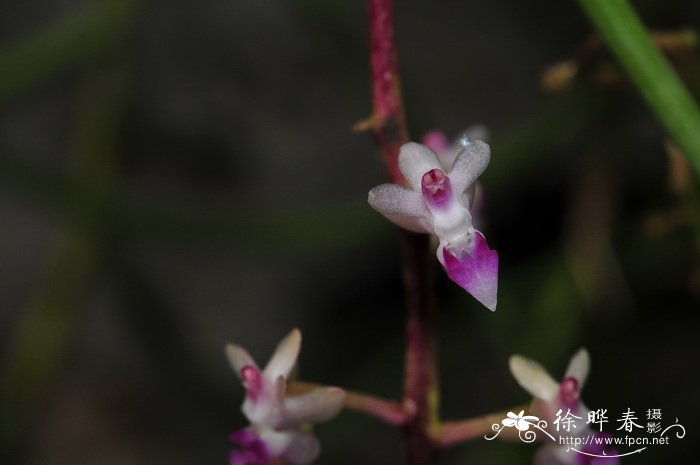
x=388 y=127
x=387 y=122
x=420 y=384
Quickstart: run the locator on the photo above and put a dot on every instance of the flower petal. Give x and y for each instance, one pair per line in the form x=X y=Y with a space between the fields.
x=303 y=449
x=402 y=206
x=475 y=271
x=292 y=446
x=316 y=406
x=285 y=356
x=414 y=161
x=279 y=389
x=472 y=160
x=265 y=411
x=477 y=131
x=533 y=378
x=238 y=357
x=578 y=367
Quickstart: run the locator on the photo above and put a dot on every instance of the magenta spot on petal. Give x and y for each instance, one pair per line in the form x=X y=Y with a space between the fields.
x=569 y=393
x=437 y=188
x=475 y=271
x=252 y=450
x=436 y=141
x=252 y=381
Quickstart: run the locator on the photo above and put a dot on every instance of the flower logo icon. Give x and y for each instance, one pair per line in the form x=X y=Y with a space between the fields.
x=522 y=423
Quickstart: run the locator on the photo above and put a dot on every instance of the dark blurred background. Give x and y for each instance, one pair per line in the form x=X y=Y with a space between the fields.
x=176 y=175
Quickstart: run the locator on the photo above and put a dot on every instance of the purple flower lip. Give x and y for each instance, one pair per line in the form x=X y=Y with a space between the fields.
x=476 y=271
x=253 y=450
x=437 y=189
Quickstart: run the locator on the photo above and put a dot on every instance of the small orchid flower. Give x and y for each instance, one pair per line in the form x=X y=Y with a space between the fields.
x=266 y=402
x=279 y=421
x=438 y=202
x=520 y=421
x=550 y=396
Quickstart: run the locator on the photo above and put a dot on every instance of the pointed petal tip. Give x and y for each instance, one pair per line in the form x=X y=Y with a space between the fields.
x=238 y=357
x=476 y=271
x=296 y=334
x=471 y=161
x=513 y=361
x=414 y=161
x=334 y=400
x=315 y=406
x=337 y=395
x=285 y=356
x=532 y=377
x=579 y=366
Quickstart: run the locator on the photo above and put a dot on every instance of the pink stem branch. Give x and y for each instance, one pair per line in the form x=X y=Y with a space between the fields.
x=453 y=432
x=389 y=412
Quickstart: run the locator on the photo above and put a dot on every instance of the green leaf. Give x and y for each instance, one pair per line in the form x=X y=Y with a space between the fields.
x=649 y=70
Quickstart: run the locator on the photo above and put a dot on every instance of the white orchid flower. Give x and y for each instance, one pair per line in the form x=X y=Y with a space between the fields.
x=548 y=395
x=438 y=201
x=279 y=422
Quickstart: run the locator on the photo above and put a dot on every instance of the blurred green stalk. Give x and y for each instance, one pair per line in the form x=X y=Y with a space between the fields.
x=45 y=330
x=653 y=75
x=60 y=47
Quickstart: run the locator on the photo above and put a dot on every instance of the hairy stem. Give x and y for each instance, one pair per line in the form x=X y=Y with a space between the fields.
x=387 y=121
x=420 y=396
x=388 y=127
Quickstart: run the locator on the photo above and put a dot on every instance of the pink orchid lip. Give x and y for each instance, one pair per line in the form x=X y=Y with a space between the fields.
x=252 y=451
x=475 y=270
x=569 y=392
x=252 y=381
x=437 y=189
